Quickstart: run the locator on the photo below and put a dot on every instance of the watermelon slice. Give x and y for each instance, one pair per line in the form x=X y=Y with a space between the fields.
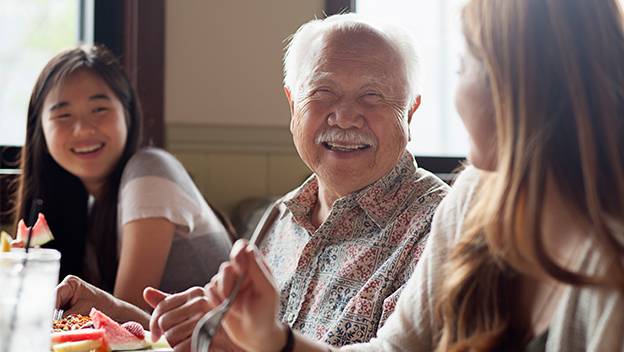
x=41 y=233
x=115 y=337
x=77 y=335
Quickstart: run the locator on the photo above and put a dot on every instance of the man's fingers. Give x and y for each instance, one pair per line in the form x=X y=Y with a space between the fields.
x=175 y=309
x=181 y=333
x=226 y=281
x=193 y=309
x=239 y=245
x=174 y=301
x=67 y=291
x=184 y=346
x=153 y=296
x=251 y=262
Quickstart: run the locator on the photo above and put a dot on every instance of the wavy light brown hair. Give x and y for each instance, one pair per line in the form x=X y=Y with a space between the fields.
x=555 y=69
x=64 y=197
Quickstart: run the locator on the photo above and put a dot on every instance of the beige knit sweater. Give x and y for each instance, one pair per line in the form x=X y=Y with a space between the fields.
x=585 y=320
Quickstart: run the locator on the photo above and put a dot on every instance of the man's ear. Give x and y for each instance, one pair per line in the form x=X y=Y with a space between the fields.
x=291 y=102
x=413 y=110
x=409 y=117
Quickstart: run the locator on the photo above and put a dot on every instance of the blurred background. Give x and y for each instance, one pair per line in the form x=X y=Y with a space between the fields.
x=209 y=74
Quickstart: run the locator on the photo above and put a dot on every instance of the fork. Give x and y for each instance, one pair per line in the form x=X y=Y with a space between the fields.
x=208 y=325
x=57 y=314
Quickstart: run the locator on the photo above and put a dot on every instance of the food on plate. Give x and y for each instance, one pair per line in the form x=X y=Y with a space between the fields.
x=72 y=322
x=135 y=328
x=115 y=336
x=5 y=242
x=80 y=346
x=79 y=340
x=41 y=233
x=100 y=333
x=77 y=335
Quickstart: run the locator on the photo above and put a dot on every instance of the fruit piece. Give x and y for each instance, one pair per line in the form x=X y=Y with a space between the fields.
x=79 y=346
x=41 y=233
x=115 y=337
x=77 y=335
x=161 y=343
x=135 y=328
x=5 y=242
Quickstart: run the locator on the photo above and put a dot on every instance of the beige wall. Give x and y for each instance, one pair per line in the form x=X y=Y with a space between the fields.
x=225 y=110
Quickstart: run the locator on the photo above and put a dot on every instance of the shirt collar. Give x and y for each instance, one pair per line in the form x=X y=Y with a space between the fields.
x=376 y=199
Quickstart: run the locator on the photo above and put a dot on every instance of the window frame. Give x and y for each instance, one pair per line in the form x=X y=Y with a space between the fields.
x=445 y=167
x=333 y=7
x=137 y=37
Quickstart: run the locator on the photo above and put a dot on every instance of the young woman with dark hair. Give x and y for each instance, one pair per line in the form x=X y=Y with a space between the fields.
x=124 y=218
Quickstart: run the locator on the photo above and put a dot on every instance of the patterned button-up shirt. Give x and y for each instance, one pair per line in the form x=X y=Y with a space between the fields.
x=340 y=282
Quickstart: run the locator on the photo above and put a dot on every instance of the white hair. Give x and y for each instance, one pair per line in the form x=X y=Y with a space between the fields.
x=299 y=58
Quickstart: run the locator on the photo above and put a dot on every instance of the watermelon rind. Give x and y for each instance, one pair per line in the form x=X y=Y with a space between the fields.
x=78 y=346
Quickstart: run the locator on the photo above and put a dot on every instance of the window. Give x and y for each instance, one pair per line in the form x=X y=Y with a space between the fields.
x=436 y=128
x=33 y=31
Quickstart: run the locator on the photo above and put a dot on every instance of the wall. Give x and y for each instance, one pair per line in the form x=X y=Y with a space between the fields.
x=225 y=111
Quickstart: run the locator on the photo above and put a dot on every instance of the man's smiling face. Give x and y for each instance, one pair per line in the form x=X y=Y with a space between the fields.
x=350 y=115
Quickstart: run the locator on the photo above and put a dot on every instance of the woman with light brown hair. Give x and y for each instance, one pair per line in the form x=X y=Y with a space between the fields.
x=527 y=252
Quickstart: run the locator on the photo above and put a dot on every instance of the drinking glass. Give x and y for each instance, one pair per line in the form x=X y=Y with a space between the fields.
x=27 y=298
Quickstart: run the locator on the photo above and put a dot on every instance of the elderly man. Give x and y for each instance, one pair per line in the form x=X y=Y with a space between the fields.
x=350 y=236
x=352 y=233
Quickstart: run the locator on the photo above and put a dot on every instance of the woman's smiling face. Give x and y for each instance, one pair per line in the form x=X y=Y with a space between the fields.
x=85 y=128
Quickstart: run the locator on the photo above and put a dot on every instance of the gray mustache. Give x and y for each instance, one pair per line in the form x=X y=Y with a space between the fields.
x=349 y=136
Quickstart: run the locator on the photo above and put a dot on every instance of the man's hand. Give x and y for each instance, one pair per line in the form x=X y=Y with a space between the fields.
x=176 y=315
x=251 y=321
x=76 y=296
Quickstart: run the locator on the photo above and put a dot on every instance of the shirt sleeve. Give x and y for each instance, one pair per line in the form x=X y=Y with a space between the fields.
x=155 y=184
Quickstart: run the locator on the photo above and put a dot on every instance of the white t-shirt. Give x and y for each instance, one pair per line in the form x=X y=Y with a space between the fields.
x=155 y=184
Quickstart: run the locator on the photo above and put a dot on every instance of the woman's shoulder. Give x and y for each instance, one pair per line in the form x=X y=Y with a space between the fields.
x=451 y=212
x=464 y=186
x=152 y=155
x=466 y=177
x=150 y=161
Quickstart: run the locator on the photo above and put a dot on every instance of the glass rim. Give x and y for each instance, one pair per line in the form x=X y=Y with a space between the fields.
x=37 y=254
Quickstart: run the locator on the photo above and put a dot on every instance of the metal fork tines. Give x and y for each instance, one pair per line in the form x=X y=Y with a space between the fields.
x=57 y=314
x=208 y=325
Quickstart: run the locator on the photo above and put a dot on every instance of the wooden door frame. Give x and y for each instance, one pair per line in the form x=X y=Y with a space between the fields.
x=135 y=31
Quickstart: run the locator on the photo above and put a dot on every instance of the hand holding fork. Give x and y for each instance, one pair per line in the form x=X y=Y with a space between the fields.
x=208 y=325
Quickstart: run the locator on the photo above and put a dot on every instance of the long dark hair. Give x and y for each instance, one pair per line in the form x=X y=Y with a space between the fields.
x=65 y=199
